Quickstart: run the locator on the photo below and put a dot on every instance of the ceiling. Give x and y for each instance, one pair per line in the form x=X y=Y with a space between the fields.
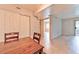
x=62 y=11
x=29 y=7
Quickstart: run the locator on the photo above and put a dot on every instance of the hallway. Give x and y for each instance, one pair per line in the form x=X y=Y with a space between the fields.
x=62 y=45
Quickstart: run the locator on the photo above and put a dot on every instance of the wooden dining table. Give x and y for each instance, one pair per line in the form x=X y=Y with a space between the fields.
x=23 y=46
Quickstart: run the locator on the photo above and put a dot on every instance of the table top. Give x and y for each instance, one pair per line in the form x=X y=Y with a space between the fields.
x=23 y=46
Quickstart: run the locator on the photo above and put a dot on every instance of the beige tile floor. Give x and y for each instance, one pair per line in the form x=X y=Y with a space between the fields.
x=61 y=45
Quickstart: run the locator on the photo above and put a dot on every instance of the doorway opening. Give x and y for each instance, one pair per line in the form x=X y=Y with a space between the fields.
x=76 y=28
x=47 y=31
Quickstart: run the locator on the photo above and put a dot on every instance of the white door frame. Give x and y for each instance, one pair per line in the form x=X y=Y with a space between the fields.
x=49 y=27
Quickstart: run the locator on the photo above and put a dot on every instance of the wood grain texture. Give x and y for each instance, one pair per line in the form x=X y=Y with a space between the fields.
x=13 y=36
x=23 y=46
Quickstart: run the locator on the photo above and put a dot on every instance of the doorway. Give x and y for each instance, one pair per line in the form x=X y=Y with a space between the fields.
x=76 y=28
x=46 y=30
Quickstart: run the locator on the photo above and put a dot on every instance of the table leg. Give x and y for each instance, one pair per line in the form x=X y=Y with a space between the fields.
x=40 y=52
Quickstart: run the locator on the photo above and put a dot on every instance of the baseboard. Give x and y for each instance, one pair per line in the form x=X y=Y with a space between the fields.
x=57 y=37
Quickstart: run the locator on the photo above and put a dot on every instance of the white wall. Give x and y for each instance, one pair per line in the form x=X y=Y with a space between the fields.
x=68 y=26
x=14 y=22
x=56 y=22
x=35 y=26
x=56 y=27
